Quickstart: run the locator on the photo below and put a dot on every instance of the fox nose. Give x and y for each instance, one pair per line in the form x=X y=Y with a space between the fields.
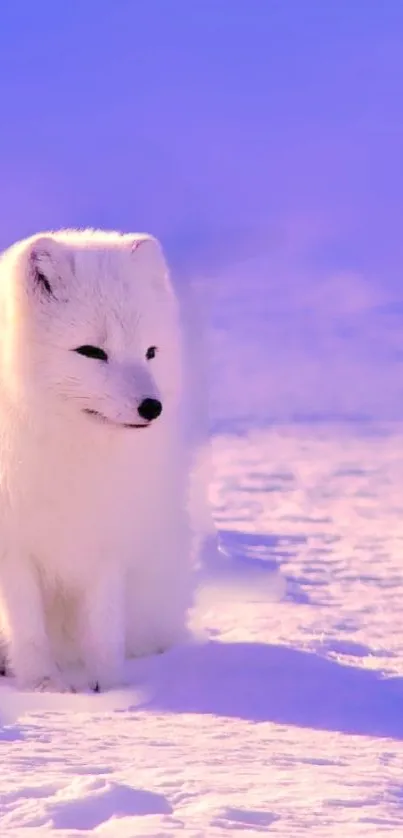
x=149 y=409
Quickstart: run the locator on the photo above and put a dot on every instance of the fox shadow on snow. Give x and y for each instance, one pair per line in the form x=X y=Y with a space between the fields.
x=262 y=682
x=280 y=684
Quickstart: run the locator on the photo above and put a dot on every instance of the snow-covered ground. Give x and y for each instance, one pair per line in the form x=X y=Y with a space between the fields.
x=286 y=718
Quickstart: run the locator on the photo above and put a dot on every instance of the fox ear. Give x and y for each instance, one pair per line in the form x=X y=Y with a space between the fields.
x=48 y=264
x=139 y=239
x=148 y=256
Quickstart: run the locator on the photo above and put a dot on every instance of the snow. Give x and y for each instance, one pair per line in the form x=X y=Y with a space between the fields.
x=285 y=715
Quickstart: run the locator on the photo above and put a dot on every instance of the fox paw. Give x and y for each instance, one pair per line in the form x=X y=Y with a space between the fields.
x=51 y=684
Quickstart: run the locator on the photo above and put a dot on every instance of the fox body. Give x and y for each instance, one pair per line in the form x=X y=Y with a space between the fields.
x=95 y=548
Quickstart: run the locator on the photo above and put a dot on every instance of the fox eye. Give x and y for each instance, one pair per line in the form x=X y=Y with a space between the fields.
x=92 y=352
x=151 y=353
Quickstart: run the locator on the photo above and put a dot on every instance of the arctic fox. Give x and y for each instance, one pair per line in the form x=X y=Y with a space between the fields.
x=95 y=542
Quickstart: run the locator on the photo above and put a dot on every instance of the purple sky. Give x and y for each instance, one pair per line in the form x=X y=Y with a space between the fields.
x=248 y=118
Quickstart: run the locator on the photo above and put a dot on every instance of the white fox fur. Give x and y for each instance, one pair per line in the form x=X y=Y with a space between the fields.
x=95 y=543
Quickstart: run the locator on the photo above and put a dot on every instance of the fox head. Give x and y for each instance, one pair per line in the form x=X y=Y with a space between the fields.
x=90 y=327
